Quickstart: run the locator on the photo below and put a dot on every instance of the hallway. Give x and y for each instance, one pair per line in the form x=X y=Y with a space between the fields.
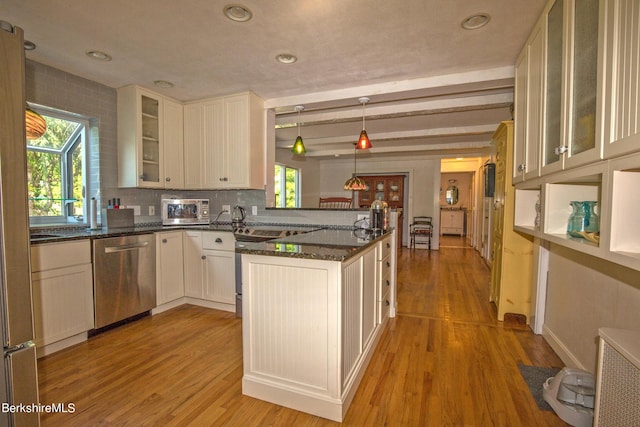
x=443 y=361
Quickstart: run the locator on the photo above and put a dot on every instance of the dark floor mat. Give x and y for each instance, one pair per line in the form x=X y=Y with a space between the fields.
x=535 y=377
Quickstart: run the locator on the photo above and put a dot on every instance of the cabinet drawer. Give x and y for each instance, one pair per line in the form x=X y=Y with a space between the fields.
x=218 y=240
x=384 y=308
x=49 y=256
x=385 y=249
x=384 y=267
x=384 y=285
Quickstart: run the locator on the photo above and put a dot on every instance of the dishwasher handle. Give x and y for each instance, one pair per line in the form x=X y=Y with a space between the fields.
x=122 y=248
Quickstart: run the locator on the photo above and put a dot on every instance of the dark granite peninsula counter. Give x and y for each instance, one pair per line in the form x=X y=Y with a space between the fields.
x=314 y=307
x=329 y=245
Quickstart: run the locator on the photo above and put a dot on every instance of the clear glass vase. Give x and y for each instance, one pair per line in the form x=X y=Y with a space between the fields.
x=577 y=219
x=592 y=223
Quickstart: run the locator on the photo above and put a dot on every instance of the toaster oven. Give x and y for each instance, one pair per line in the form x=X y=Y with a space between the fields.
x=185 y=211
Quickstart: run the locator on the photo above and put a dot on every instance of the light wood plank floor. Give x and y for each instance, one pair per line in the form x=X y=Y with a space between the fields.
x=443 y=361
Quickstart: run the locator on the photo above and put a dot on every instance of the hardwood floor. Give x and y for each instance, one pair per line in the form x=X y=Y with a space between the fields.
x=443 y=361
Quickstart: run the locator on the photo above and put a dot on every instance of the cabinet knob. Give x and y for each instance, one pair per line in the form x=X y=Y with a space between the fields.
x=388 y=283
x=141 y=177
x=521 y=167
x=388 y=245
x=388 y=264
x=224 y=178
x=164 y=240
x=203 y=257
x=387 y=303
x=167 y=179
x=218 y=240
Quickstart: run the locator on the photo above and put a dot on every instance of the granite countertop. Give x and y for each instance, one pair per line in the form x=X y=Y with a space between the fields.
x=328 y=245
x=60 y=235
x=322 y=244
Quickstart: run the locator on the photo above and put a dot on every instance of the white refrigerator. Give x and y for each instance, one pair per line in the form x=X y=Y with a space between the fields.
x=18 y=375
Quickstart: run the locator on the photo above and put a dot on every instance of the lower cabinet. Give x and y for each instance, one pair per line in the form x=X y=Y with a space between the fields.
x=169 y=274
x=62 y=281
x=452 y=221
x=209 y=267
x=309 y=328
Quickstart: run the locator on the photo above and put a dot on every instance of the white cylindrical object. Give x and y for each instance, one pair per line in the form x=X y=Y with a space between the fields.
x=94 y=213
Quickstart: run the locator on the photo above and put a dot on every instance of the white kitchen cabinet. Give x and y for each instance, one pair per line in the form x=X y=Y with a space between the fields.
x=220 y=271
x=203 y=135
x=62 y=281
x=385 y=279
x=169 y=267
x=621 y=89
x=173 y=144
x=143 y=131
x=573 y=79
x=309 y=329
x=452 y=221
x=193 y=264
x=209 y=268
x=528 y=97
x=225 y=141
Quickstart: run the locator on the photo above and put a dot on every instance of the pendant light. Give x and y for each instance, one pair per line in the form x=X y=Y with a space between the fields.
x=363 y=141
x=298 y=146
x=355 y=183
x=35 y=124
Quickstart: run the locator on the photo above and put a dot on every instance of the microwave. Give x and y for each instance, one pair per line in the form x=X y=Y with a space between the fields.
x=185 y=211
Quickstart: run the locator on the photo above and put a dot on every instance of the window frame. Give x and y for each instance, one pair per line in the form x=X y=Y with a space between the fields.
x=80 y=137
x=297 y=185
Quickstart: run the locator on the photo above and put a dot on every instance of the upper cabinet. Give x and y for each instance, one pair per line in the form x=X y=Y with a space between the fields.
x=559 y=75
x=224 y=141
x=528 y=96
x=621 y=46
x=572 y=82
x=212 y=144
x=585 y=197
x=145 y=136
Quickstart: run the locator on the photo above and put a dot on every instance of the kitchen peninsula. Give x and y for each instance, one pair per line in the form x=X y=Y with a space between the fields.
x=314 y=307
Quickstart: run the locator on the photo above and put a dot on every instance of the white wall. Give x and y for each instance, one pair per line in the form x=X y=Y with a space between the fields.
x=422 y=189
x=585 y=293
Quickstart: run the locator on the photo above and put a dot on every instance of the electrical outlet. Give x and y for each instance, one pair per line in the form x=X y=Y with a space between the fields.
x=254 y=210
x=152 y=210
x=226 y=208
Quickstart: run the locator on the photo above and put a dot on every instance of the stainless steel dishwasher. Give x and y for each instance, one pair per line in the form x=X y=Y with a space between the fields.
x=124 y=277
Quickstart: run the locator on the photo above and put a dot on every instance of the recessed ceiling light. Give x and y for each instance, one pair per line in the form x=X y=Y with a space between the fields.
x=100 y=56
x=29 y=45
x=163 y=84
x=476 y=21
x=286 y=58
x=237 y=12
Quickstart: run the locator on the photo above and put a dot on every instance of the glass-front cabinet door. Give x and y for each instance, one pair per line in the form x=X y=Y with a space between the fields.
x=584 y=145
x=572 y=83
x=150 y=146
x=552 y=137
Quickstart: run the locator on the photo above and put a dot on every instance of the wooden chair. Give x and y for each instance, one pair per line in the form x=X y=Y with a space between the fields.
x=420 y=228
x=335 y=202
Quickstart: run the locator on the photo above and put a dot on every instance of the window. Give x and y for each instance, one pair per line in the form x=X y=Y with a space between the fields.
x=56 y=169
x=287 y=187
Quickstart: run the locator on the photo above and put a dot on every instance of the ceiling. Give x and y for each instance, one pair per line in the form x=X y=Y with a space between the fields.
x=434 y=87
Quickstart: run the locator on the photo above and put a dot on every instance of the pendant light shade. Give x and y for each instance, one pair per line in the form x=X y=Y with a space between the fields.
x=355 y=183
x=36 y=126
x=363 y=142
x=298 y=146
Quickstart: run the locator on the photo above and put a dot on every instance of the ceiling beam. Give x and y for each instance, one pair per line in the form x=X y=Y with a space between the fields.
x=481 y=79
